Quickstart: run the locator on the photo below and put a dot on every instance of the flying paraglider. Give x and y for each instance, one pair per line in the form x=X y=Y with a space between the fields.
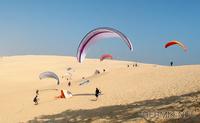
x=49 y=74
x=105 y=56
x=97 y=34
x=174 y=42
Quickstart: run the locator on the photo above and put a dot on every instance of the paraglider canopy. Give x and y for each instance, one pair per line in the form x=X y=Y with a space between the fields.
x=105 y=56
x=49 y=74
x=96 y=35
x=174 y=42
x=69 y=69
x=65 y=94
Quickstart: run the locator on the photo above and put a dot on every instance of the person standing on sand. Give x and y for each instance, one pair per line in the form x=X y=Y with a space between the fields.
x=37 y=92
x=171 y=63
x=97 y=93
x=36 y=98
x=69 y=83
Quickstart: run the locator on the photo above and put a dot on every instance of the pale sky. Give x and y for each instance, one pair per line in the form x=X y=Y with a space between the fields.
x=56 y=27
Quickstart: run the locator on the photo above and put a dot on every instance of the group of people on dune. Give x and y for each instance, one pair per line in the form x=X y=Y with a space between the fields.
x=97 y=90
x=133 y=65
x=36 y=98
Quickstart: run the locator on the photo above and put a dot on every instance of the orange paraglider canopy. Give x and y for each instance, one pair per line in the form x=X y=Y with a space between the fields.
x=174 y=42
x=64 y=94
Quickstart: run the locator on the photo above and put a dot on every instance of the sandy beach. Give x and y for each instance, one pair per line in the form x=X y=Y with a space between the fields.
x=129 y=94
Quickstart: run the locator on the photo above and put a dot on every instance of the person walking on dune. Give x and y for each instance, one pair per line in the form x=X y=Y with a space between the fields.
x=69 y=83
x=97 y=93
x=37 y=92
x=36 y=98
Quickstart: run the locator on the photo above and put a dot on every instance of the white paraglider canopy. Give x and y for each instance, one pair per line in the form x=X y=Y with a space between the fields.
x=49 y=74
x=96 y=35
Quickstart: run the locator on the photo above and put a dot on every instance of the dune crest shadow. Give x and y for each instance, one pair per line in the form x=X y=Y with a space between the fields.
x=183 y=108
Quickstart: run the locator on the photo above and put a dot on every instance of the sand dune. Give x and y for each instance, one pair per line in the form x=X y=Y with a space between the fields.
x=123 y=88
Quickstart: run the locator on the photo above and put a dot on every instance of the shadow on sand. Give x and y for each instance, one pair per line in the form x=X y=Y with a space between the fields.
x=87 y=94
x=183 y=108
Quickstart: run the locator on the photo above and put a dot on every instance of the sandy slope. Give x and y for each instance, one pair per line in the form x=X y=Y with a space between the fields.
x=120 y=85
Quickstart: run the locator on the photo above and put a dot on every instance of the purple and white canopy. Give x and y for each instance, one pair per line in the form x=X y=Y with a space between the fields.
x=96 y=35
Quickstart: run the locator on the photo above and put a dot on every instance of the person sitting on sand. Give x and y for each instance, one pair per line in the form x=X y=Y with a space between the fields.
x=97 y=93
